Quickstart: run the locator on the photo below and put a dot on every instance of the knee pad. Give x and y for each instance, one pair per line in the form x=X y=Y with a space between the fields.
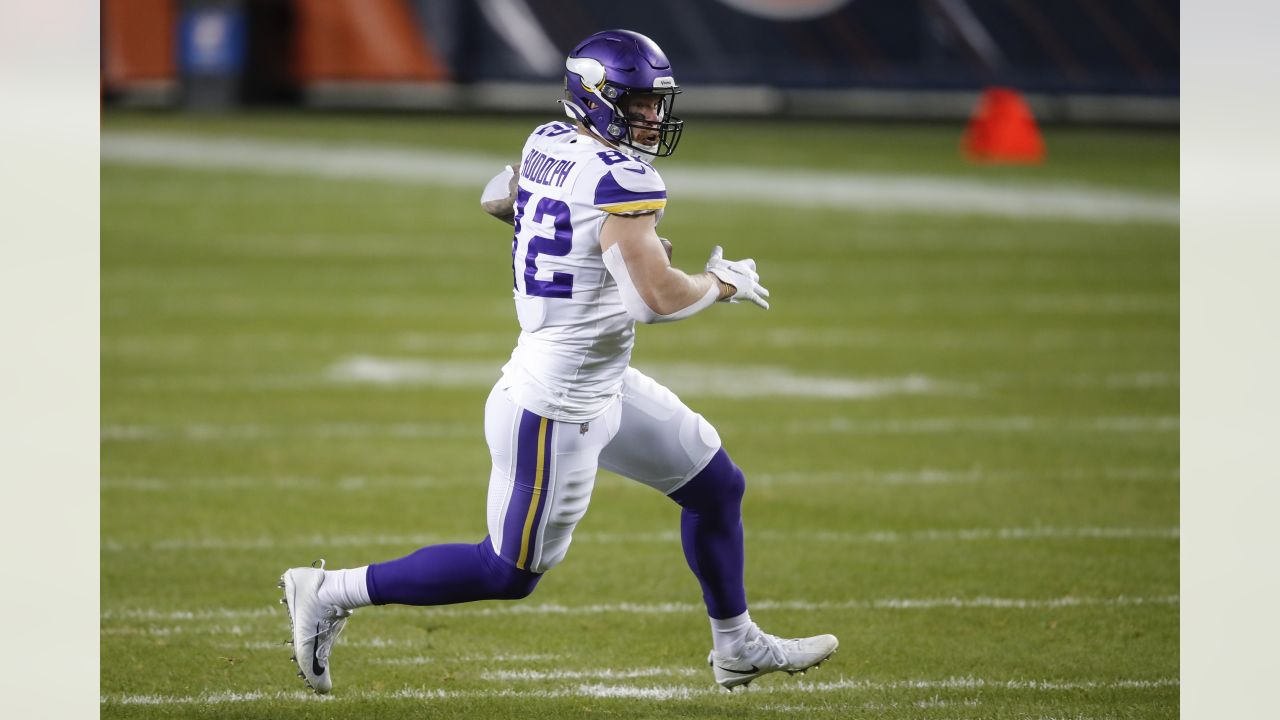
x=719 y=484
x=508 y=581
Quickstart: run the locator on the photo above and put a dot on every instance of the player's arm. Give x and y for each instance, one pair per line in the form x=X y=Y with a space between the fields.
x=499 y=196
x=654 y=291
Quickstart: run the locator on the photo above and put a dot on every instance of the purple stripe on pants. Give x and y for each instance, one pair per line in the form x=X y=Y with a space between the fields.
x=522 y=494
x=544 y=493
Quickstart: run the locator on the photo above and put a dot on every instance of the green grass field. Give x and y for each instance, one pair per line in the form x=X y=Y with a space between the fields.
x=992 y=531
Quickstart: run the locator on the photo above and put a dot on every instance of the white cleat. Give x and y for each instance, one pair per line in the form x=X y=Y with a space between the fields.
x=315 y=626
x=764 y=653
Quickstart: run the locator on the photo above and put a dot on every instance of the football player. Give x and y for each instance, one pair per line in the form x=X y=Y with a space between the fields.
x=587 y=264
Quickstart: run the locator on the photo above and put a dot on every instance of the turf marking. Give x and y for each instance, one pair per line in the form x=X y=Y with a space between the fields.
x=499 y=657
x=867 y=192
x=920 y=477
x=994 y=425
x=371 y=370
x=209 y=432
x=1044 y=340
x=874 y=537
x=807 y=606
x=1122 y=473
x=166 y=631
x=927 y=476
x=979 y=534
x=938 y=476
x=972 y=683
x=1140 y=380
x=598 y=674
x=351 y=483
x=266 y=543
x=976 y=603
x=149 y=346
x=684 y=378
x=924 y=535
x=378 y=642
x=654 y=692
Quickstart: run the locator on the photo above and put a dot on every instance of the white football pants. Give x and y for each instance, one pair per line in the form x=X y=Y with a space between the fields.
x=544 y=470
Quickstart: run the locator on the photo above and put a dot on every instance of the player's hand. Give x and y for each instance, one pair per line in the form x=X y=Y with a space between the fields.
x=499 y=196
x=742 y=275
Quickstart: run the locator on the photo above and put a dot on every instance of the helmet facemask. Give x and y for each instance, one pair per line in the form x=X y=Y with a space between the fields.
x=631 y=128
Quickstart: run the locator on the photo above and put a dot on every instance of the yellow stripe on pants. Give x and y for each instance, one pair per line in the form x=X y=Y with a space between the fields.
x=526 y=538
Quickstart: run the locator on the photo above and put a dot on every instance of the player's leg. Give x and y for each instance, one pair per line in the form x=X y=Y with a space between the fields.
x=320 y=601
x=667 y=446
x=664 y=444
x=519 y=444
x=540 y=483
x=539 y=487
x=537 y=498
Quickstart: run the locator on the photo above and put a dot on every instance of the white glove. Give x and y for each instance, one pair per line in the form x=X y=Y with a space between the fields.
x=499 y=196
x=500 y=187
x=742 y=275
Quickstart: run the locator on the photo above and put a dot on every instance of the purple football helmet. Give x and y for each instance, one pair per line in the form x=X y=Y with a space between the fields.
x=599 y=74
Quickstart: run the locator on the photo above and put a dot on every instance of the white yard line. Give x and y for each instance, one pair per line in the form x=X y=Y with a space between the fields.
x=169 y=630
x=940 y=476
x=257 y=306
x=689 y=379
x=807 y=606
x=211 y=432
x=995 y=425
x=150 y=346
x=685 y=379
x=980 y=534
x=216 y=615
x=599 y=674
x=926 y=476
x=267 y=543
x=867 y=192
x=438 y=660
x=354 y=483
x=654 y=692
x=1043 y=340
x=661 y=536
x=914 y=476
x=362 y=642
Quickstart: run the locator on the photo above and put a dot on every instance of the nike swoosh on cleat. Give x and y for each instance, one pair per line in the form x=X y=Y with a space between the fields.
x=753 y=669
x=316 y=668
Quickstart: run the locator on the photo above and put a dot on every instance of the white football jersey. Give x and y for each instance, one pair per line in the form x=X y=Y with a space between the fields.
x=575 y=335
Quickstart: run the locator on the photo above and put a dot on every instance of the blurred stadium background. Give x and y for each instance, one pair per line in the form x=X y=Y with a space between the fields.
x=959 y=420
x=1112 y=61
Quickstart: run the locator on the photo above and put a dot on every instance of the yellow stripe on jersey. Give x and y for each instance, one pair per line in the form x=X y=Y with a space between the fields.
x=635 y=206
x=526 y=537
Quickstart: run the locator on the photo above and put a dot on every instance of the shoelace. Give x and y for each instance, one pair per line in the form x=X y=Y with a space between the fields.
x=326 y=638
x=774 y=645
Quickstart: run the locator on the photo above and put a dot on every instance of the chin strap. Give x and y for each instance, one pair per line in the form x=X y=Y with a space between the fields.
x=573 y=111
x=647 y=153
x=634 y=151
